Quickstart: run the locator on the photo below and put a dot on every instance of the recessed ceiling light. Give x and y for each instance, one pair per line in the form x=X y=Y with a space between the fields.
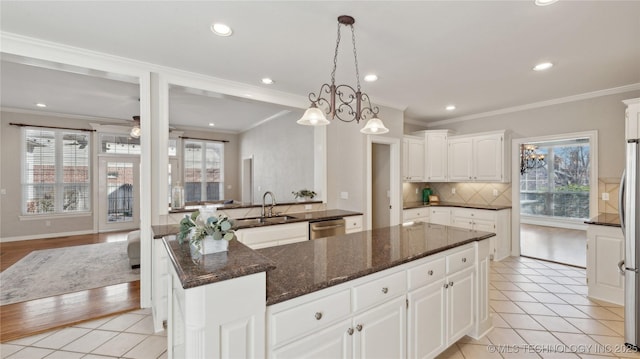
x=450 y=108
x=40 y=104
x=545 y=2
x=267 y=81
x=543 y=66
x=221 y=29
x=211 y=124
x=371 y=78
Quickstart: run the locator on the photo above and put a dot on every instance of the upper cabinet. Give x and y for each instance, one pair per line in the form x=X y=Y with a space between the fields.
x=436 y=157
x=632 y=119
x=480 y=157
x=413 y=159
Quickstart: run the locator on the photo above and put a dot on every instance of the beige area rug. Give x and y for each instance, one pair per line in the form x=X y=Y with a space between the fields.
x=50 y=272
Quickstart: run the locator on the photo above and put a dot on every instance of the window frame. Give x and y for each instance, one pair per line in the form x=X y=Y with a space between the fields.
x=203 y=169
x=59 y=183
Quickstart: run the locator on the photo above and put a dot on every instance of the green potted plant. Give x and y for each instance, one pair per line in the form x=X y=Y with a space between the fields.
x=304 y=194
x=208 y=234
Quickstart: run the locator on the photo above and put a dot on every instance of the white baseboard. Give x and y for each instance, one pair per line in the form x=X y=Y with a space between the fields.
x=44 y=235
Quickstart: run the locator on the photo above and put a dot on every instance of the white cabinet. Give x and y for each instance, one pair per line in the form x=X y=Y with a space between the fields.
x=440 y=215
x=273 y=235
x=416 y=214
x=605 y=249
x=444 y=310
x=435 y=157
x=413 y=159
x=380 y=332
x=481 y=157
x=159 y=284
x=353 y=224
x=335 y=341
x=632 y=118
x=498 y=222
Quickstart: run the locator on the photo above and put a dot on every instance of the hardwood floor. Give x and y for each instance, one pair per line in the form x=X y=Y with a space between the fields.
x=560 y=245
x=27 y=318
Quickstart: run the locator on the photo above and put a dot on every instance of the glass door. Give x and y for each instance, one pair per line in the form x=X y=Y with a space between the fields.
x=118 y=193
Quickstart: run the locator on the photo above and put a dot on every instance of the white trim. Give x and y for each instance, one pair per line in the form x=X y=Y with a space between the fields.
x=44 y=236
x=554 y=222
x=557 y=101
x=42 y=217
x=394 y=180
x=515 y=175
x=63 y=115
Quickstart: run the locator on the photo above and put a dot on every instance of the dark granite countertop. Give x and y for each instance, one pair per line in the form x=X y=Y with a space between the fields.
x=306 y=267
x=234 y=205
x=198 y=270
x=160 y=231
x=605 y=219
x=409 y=205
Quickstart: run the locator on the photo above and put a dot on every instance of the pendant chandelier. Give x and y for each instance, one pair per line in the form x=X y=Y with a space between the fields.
x=530 y=159
x=343 y=101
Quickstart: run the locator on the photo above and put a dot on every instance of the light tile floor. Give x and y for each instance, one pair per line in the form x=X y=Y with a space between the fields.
x=128 y=335
x=540 y=310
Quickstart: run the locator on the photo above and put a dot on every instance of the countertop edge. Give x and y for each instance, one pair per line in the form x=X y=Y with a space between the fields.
x=413 y=205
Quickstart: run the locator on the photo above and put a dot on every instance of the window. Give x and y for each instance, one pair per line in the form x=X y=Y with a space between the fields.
x=119 y=144
x=203 y=171
x=56 y=172
x=561 y=187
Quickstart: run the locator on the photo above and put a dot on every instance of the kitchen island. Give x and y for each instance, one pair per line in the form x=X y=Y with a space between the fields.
x=399 y=291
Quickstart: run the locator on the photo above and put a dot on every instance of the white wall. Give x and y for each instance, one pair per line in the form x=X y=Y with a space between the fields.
x=283 y=159
x=604 y=114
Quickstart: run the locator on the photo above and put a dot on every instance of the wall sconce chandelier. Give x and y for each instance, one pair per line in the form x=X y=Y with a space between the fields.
x=344 y=102
x=529 y=159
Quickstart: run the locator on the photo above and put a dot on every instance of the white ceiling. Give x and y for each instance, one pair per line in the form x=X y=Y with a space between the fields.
x=427 y=54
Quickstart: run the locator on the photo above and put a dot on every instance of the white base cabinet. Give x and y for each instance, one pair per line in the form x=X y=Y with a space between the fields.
x=275 y=235
x=605 y=249
x=416 y=214
x=353 y=224
x=498 y=222
x=159 y=284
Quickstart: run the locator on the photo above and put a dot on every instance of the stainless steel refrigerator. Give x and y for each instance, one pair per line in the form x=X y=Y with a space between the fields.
x=630 y=220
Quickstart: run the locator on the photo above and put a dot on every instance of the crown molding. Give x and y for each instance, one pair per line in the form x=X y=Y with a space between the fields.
x=557 y=101
x=63 y=115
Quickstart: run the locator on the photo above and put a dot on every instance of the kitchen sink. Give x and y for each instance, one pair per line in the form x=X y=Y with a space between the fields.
x=242 y=222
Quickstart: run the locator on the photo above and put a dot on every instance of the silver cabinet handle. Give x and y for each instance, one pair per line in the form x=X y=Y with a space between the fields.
x=621 y=200
x=385 y=290
x=450 y=284
x=464 y=259
x=621 y=267
x=430 y=272
x=359 y=327
x=446 y=286
x=318 y=315
x=350 y=331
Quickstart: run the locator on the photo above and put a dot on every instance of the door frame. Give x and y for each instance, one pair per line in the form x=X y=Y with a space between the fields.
x=515 y=178
x=394 y=178
x=103 y=226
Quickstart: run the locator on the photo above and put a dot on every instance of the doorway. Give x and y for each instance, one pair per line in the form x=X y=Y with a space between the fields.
x=381 y=185
x=118 y=195
x=247 y=180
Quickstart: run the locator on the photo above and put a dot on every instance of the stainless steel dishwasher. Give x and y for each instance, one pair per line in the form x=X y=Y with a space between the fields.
x=328 y=228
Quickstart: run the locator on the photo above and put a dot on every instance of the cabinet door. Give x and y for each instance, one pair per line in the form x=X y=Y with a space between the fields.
x=416 y=160
x=460 y=157
x=436 y=157
x=427 y=320
x=460 y=313
x=461 y=221
x=440 y=216
x=484 y=225
x=632 y=119
x=488 y=158
x=605 y=248
x=381 y=331
x=332 y=342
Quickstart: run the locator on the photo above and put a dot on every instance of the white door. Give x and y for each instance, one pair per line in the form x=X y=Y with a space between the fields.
x=427 y=319
x=381 y=331
x=460 y=159
x=436 y=157
x=460 y=296
x=118 y=193
x=488 y=161
x=333 y=342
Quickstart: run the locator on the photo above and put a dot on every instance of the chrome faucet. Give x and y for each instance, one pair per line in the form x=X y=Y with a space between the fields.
x=273 y=203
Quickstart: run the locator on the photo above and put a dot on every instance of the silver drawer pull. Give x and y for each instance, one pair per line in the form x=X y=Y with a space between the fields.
x=464 y=260
x=318 y=315
x=385 y=290
x=446 y=286
x=450 y=284
x=359 y=327
x=350 y=331
x=430 y=272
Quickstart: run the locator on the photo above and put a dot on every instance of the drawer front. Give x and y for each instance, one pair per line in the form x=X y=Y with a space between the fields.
x=379 y=290
x=310 y=316
x=426 y=273
x=460 y=260
x=415 y=213
x=354 y=224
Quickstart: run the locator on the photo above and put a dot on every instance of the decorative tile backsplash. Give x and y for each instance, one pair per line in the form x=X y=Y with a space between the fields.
x=483 y=193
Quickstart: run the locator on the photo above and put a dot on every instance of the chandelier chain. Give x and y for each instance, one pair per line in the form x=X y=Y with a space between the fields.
x=335 y=58
x=355 y=56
